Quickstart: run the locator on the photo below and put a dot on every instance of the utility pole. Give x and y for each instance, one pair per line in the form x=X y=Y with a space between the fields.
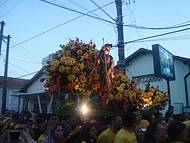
x=121 y=51
x=4 y=96
x=1 y=34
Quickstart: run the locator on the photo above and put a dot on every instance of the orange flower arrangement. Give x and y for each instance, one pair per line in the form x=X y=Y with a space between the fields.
x=152 y=98
x=75 y=67
x=80 y=68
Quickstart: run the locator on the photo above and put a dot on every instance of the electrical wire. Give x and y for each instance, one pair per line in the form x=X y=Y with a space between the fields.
x=82 y=7
x=163 y=34
x=26 y=61
x=137 y=30
x=27 y=74
x=26 y=53
x=76 y=11
x=77 y=4
x=18 y=67
x=156 y=28
x=31 y=38
x=3 y=3
x=2 y=59
x=11 y=8
x=185 y=37
x=103 y=11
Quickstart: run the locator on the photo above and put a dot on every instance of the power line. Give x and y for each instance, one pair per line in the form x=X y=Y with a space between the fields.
x=27 y=74
x=163 y=34
x=21 y=52
x=167 y=39
x=82 y=7
x=26 y=53
x=25 y=61
x=58 y=26
x=103 y=10
x=76 y=11
x=137 y=30
x=23 y=76
x=77 y=4
x=156 y=28
x=3 y=3
x=182 y=23
x=11 y=8
x=18 y=67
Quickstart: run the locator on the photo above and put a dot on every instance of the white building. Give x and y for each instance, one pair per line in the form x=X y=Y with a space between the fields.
x=13 y=87
x=140 y=67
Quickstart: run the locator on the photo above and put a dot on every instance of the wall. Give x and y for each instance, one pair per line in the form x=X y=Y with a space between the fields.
x=140 y=65
x=177 y=86
x=11 y=101
x=188 y=85
x=37 y=86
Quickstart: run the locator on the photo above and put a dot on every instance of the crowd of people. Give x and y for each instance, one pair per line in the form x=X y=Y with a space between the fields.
x=131 y=127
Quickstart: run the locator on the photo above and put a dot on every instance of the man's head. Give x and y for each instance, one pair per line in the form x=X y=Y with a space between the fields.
x=171 y=109
x=117 y=122
x=130 y=120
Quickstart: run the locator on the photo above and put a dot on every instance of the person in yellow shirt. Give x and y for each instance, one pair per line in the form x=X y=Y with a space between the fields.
x=108 y=135
x=143 y=124
x=187 y=122
x=127 y=133
x=42 y=138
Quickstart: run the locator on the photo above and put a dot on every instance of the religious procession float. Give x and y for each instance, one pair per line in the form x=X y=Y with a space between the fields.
x=85 y=74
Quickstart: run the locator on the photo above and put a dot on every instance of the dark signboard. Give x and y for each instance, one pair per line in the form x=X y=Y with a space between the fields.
x=163 y=62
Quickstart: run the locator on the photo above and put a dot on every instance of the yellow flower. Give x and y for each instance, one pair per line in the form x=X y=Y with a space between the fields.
x=157 y=99
x=124 y=77
x=81 y=66
x=77 y=87
x=73 y=61
x=82 y=78
x=75 y=69
x=68 y=69
x=61 y=69
x=120 y=88
x=112 y=97
x=120 y=96
x=150 y=94
x=132 y=96
x=62 y=60
x=69 y=62
x=68 y=53
x=79 y=52
x=71 y=77
x=117 y=97
x=123 y=85
x=55 y=63
x=53 y=68
x=49 y=78
x=96 y=76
